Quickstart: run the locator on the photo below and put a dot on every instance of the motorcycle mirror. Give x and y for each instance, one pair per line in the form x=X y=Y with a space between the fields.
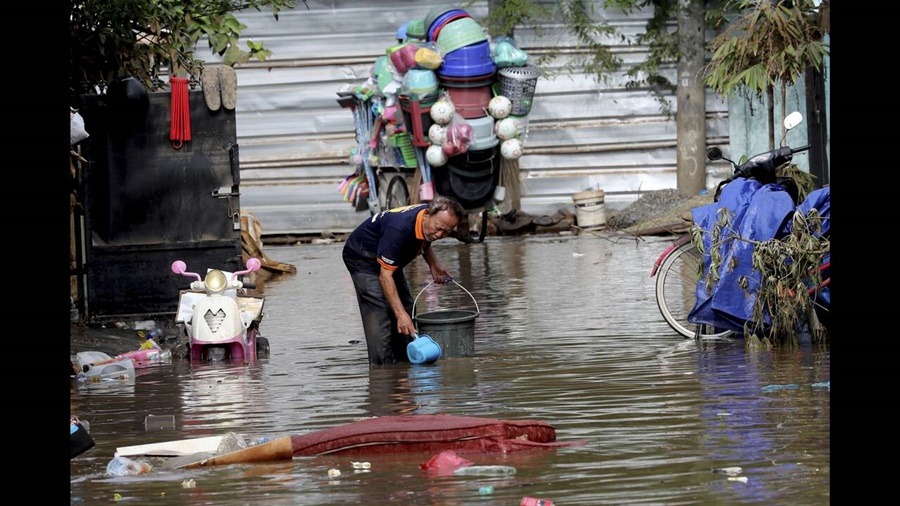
x=793 y=119
x=714 y=153
x=178 y=267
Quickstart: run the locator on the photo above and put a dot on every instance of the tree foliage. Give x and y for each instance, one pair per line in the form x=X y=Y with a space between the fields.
x=577 y=16
x=113 y=39
x=760 y=42
x=771 y=43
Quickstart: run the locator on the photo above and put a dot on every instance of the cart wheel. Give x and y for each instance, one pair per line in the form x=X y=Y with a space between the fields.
x=397 y=193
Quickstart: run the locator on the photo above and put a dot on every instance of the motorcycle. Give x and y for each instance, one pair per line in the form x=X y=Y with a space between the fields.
x=755 y=211
x=220 y=319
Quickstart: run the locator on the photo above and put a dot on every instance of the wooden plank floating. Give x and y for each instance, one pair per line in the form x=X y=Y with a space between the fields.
x=172 y=448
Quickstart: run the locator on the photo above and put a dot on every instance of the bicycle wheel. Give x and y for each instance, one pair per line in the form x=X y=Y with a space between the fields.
x=397 y=193
x=676 y=285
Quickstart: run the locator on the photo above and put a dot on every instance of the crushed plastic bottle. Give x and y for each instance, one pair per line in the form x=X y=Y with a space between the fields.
x=261 y=440
x=123 y=466
x=231 y=442
x=485 y=470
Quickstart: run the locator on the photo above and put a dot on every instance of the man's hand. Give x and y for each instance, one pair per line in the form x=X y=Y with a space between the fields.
x=440 y=275
x=405 y=324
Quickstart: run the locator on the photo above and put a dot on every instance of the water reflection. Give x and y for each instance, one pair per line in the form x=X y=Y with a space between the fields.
x=568 y=333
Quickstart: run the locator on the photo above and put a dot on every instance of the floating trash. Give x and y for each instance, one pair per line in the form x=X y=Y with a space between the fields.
x=773 y=388
x=730 y=471
x=485 y=470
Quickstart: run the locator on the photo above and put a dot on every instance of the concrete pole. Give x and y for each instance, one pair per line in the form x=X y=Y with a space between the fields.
x=691 y=94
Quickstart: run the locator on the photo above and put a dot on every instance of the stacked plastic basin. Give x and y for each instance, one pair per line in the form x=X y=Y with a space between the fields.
x=467 y=71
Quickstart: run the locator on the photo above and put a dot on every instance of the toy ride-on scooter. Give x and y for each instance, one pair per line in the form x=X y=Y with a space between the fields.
x=219 y=318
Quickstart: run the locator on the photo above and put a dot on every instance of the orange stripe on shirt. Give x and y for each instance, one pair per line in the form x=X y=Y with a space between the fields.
x=420 y=227
x=387 y=266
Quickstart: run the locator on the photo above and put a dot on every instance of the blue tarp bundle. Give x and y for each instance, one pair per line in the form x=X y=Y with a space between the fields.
x=759 y=213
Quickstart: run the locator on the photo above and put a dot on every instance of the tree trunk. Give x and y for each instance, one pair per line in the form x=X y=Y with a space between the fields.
x=816 y=128
x=691 y=95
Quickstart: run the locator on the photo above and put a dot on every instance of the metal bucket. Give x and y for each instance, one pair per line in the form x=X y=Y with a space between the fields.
x=452 y=329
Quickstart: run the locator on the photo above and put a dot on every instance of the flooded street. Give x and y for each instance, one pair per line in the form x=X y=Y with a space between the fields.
x=568 y=333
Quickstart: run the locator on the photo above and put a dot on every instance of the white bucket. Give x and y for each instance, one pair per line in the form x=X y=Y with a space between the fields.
x=590 y=211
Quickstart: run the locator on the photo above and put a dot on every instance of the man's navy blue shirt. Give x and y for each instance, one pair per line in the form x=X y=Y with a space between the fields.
x=389 y=239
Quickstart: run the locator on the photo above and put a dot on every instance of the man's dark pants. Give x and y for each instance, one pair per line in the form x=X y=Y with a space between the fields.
x=384 y=344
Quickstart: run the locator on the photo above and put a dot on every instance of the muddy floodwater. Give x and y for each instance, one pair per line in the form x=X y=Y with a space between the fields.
x=568 y=333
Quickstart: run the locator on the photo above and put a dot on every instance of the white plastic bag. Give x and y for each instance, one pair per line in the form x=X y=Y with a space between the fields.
x=77 y=131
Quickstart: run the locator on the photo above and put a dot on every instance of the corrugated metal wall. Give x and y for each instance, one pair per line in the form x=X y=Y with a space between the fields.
x=295 y=139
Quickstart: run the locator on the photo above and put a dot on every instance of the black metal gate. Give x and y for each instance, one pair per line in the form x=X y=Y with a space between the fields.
x=147 y=204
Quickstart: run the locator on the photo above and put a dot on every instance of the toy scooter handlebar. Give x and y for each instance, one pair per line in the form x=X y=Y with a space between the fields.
x=253 y=264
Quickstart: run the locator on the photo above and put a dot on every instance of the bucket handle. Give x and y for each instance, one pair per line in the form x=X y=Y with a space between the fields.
x=477 y=311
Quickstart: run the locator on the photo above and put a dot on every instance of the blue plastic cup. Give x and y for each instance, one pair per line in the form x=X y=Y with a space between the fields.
x=423 y=350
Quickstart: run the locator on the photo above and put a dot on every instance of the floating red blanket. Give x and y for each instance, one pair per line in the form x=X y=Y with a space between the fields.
x=401 y=434
x=428 y=433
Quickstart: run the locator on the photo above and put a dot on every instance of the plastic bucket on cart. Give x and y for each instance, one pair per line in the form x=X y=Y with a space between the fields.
x=484 y=136
x=468 y=61
x=470 y=102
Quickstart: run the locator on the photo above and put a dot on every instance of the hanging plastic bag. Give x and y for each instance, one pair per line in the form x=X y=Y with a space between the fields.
x=428 y=57
x=459 y=134
x=77 y=131
x=508 y=55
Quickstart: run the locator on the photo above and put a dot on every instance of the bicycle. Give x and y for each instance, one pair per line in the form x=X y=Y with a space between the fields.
x=677 y=272
x=679 y=269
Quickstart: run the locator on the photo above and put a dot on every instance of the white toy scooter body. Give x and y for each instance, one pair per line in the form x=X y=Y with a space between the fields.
x=221 y=324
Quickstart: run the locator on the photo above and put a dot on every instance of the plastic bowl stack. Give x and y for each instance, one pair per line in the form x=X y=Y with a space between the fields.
x=439 y=16
x=419 y=83
x=459 y=33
